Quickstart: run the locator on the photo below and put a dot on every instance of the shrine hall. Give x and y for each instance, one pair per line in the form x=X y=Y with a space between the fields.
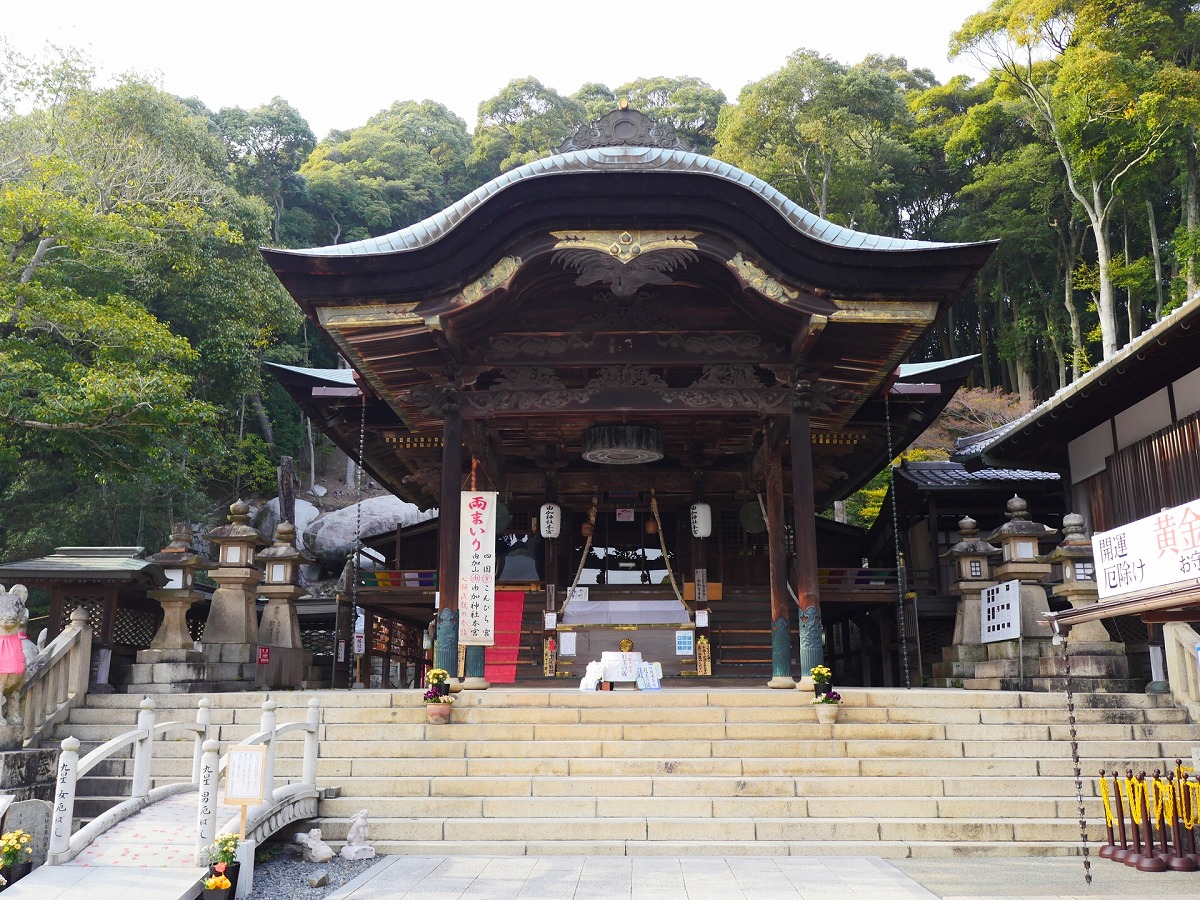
x=668 y=372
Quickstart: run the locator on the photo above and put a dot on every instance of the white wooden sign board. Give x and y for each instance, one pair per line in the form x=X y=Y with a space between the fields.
x=1157 y=551
x=477 y=569
x=1000 y=617
x=245 y=774
x=566 y=643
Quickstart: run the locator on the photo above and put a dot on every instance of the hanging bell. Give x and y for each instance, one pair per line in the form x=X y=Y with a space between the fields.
x=701 y=516
x=588 y=529
x=651 y=526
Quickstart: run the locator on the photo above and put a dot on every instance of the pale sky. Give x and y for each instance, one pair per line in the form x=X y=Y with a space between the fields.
x=340 y=63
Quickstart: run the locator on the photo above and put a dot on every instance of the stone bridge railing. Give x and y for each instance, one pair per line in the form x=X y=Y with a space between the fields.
x=280 y=806
x=60 y=682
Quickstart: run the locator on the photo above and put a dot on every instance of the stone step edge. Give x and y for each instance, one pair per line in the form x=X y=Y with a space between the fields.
x=774 y=820
x=884 y=849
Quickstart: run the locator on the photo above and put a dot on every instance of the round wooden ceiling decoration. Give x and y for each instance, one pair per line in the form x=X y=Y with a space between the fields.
x=622 y=445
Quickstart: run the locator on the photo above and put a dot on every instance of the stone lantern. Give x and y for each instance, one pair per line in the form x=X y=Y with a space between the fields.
x=971 y=556
x=171 y=661
x=1018 y=539
x=179 y=563
x=232 y=628
x=279 y=633
x=1078 y=586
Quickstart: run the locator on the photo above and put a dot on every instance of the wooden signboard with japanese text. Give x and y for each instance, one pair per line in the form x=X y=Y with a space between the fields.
x=245 y=774
x=477 y=570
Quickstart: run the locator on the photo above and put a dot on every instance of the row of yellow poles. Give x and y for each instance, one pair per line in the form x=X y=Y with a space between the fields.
x=1161 y=814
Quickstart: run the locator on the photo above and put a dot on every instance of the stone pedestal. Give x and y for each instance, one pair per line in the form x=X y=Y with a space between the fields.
x=29 y=774
x=33 y=817
x=971 y=557
x=232 y=618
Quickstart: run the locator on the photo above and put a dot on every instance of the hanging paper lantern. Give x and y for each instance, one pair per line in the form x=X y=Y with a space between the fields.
x=701 y=520
x=551 y=520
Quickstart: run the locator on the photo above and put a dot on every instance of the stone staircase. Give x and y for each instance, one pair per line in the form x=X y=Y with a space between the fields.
x=685 y=771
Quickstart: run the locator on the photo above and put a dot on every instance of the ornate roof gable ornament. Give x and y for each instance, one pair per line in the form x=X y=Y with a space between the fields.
x=623 y=127
x=624 y=261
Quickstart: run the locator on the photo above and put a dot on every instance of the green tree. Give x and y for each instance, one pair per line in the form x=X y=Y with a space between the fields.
x=408 y=162
x=1088 y=72
x=266 y=146
x=834 y=138
x=524 y=122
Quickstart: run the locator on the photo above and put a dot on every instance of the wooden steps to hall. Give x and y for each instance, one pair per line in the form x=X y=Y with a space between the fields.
x=700 y=771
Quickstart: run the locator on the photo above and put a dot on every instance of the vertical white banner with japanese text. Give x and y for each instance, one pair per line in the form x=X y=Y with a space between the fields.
x=477 y=569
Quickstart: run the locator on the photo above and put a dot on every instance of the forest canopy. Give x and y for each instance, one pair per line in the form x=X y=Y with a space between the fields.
x=136 y=313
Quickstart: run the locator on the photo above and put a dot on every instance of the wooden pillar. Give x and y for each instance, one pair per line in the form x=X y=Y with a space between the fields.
x=449 y=510
x=804 y=514
x=57 y=613
x=343 y=638
x=781 y=643
x=366 y=661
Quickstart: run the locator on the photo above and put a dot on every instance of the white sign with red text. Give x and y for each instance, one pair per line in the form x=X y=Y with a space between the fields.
x=477 y=569
x=1153 y=552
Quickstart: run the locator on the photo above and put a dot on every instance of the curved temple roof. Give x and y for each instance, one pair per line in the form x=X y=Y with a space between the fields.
x=620 y=159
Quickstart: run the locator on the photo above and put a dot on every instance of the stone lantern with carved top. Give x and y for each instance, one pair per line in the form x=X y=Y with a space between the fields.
x=1020 y=560
x=281 y=565
x=1078 y=585
x=232 y=627
x=971 y=557
x=179 y=563
x=1018 y=539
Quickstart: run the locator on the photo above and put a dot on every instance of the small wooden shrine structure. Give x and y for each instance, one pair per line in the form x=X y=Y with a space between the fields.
x=627 y=329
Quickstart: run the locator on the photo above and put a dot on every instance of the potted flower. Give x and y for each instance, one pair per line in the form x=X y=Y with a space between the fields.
x=827 y=705
x=15 y=853
x=437 y=698
x=217 y=886
x=822 y=678
x=222 y=858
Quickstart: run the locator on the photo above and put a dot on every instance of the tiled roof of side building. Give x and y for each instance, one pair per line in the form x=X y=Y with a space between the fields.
x=934 y=475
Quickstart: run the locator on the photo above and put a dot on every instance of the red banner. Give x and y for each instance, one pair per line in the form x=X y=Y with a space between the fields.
x=500 y=660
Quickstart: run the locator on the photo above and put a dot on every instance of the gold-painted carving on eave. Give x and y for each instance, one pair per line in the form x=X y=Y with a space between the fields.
x=625 y=246
x=754 y=276
x=909 y=312
x=367 y=315
x=489 y=281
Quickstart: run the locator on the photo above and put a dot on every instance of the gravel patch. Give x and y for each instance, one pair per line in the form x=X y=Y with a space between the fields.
x=287 y=876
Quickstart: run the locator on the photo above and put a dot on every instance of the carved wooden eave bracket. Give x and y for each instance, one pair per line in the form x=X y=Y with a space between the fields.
x=495 y=278
x=751 y=275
